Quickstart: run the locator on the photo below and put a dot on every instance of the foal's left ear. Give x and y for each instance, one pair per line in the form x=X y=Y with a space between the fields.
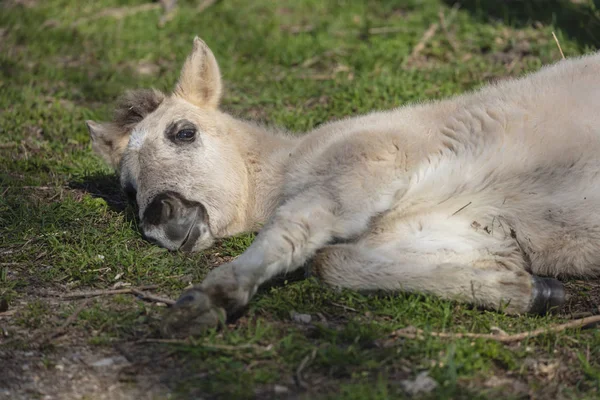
x=110 y=139
x=200 y=79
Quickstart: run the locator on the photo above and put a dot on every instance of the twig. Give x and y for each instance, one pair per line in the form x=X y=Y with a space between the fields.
x=136 y=291
x=318 y=77
x=343 y=306
x=414 y=333
x=308 y=359
x=296 y=29
x=153 y=297
x=190 y=342
x=38 y=187
x=462 y=208
x=7 y=313
x=445 y=23
x=108 y=292
x=582 y=314
x=169 y=11
x=429 y=33
x=205 y=4
x=452 y=14
x=119 y=12
x=63 y=328
x=558 y=44
x=75 y=314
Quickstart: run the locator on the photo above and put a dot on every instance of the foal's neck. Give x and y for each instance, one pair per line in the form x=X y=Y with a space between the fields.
x=266 y=154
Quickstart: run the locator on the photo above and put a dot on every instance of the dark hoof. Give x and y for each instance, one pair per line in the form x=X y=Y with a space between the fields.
x=547 y=295
x=191 y=315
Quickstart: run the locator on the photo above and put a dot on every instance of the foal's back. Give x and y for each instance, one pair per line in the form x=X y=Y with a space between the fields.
x=522 y=154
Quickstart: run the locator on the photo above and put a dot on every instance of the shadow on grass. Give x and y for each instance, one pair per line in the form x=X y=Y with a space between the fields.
x=579 y=22
x=106 y=187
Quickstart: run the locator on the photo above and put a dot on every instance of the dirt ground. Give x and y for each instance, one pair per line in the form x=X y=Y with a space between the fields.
x=66 y=366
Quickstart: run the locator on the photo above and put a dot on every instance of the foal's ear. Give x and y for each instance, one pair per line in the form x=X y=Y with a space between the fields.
x=110 y=139
x=200 y=79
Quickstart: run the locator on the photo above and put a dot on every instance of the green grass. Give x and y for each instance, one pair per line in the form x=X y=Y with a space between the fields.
x=291 y=63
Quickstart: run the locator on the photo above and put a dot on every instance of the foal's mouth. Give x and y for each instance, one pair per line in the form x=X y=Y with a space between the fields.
x=191 y=237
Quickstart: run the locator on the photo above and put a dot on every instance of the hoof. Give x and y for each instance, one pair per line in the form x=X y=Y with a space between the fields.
x=548 y=295
x=192 y=315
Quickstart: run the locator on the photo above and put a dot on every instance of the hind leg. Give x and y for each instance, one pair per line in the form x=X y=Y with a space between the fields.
x=480 y=270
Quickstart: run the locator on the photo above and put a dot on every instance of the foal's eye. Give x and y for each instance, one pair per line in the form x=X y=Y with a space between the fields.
x=186 y=135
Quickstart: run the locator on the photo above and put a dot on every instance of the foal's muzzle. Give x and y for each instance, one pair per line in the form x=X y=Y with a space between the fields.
x=173 y=222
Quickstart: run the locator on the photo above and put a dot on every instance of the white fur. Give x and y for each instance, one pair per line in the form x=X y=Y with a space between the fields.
x=465 y=198
x=137 y=139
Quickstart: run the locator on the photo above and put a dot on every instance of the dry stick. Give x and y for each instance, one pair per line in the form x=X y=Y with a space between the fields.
x=153 y=297
x=414 y=333
x=452 y=14
x=429 y=33
x=318 y=77
x=119 y=13
x=343 y=306
x=136 y=291
x=189 y=342
x=205 y=4
x=95 y=293
x=558 y=44
x=63 y=328
x=169 y=11
x=462 y=208
x=301 y=367
x=38 y=187
x=7 y=313
x=294 y=30
x=445 y=23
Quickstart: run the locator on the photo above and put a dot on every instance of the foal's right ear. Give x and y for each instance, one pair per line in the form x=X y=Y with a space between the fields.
x=110 y=139
x=200 y=79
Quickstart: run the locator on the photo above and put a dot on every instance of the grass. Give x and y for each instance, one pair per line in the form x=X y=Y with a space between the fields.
x=65 y=226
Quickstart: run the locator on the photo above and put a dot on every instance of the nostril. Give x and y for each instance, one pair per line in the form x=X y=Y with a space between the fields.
x=166 y=210
x=161 y=210
x=131 y=194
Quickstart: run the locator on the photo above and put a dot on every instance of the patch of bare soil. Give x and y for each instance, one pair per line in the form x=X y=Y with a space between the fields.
x=76 y=370
x=43 y=358
x=67 y=366
x=583 y=298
